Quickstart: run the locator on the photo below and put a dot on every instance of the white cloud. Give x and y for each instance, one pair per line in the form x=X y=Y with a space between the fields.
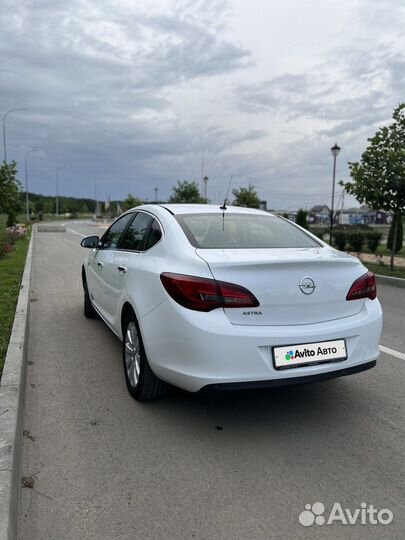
x=132 y=94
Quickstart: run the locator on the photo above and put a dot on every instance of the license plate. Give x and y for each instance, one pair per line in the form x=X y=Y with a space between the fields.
x=309 y=353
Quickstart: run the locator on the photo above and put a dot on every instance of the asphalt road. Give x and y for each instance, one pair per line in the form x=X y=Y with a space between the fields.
x=236 y=467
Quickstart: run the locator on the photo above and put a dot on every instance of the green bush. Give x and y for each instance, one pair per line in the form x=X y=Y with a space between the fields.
x=301 y=218
x=340 y=240
x=356 y=240
x=373 y=239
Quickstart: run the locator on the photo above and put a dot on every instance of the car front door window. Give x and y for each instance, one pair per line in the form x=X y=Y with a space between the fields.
x=112 y=237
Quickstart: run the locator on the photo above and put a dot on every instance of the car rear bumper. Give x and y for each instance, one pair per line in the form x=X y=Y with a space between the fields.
x=250 y=385
x=194 y=350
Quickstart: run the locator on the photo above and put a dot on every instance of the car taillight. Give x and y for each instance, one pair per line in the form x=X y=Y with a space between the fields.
x=202 y=294
x=364 y=287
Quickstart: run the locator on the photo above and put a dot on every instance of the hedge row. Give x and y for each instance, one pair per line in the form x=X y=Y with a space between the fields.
x=356 y=240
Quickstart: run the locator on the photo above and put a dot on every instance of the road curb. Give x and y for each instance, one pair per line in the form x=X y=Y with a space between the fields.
x=393 y=281
x=12 y=388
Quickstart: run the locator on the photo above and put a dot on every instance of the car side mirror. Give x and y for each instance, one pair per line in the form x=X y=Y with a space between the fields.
x=90 y=242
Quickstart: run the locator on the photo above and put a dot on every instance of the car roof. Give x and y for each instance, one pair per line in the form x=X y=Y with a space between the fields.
x=202 y=209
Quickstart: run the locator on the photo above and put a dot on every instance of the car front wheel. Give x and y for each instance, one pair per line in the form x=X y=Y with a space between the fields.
x=142 y=383
x=88 y=309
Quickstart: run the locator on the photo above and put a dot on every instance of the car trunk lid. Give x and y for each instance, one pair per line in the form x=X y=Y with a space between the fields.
x=294 y=286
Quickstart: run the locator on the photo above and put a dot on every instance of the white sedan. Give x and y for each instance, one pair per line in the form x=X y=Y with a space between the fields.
x=204 y=296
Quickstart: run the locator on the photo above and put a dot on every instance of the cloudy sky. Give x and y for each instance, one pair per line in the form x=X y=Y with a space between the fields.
x=131 y=94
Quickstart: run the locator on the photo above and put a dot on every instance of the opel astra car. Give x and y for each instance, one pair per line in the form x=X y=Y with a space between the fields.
x=204 y=296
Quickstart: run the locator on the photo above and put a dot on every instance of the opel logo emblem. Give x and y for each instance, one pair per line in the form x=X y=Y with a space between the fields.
x=307 y=285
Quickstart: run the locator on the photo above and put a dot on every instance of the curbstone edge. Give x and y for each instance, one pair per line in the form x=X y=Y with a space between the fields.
x=393 y=281
x=12 y=388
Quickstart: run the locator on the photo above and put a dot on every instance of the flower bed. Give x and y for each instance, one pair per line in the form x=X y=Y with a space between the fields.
x=12 y=234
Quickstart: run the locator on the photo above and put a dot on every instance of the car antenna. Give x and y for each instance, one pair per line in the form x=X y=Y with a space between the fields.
x=223 y=207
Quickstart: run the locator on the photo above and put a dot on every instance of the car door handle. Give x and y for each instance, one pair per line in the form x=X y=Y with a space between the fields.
x=122 y=269
x=100 y=264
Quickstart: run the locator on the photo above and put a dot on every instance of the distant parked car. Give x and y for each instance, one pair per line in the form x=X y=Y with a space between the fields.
x=209 y=297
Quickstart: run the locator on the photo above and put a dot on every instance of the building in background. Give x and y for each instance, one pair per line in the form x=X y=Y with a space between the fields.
x=319 y=215
x=363 y=216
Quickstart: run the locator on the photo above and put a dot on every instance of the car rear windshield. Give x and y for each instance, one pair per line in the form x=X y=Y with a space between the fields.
x=241 y=231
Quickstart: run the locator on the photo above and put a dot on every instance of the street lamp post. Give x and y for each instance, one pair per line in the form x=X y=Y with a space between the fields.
x=27 y=202
x=4 y=129
x=335 y=152
x=57 y=189
x=156 y=194
x=205 y=179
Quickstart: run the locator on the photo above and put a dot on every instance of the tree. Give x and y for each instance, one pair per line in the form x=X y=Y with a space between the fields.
x=186 y=192
x=131 y=202
x=10 y=189
x=247 y=197
x=400 y=234
x=301 y=218
x=48 y=207
x=379 y=178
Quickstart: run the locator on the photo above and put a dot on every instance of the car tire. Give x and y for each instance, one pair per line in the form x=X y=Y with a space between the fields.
x=88 y=309
x=142 y=383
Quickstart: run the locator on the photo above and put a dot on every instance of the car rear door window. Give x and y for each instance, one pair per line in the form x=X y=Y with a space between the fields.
x=137 y=233
x=154 y=235
x=112 y=237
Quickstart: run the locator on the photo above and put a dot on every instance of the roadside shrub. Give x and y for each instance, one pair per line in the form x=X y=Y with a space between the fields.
x=301 y=218
x=356 y=240
x=373 y=239
x=340 y=240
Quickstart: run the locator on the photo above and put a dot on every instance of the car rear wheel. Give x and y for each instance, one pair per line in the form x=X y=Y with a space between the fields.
x=142 y=383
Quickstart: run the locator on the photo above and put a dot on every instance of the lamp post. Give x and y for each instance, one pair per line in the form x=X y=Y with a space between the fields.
x=27 y=202
x=57 y=189
x=96 y=199
x=4 y=129
x=205 y=179
x=335 y=152
x=156 y=194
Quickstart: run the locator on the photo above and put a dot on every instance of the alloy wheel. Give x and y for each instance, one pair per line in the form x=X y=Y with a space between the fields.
x=132 y=354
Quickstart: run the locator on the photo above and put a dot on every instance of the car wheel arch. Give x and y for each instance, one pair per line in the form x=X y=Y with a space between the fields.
x=84 y=277
x=126 y=310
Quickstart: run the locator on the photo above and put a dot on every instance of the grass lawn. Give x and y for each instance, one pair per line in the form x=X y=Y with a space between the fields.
x=11 y=270
x=384 y=270
x=382 y=250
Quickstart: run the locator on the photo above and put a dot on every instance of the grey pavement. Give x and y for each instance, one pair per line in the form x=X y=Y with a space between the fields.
x=236 y=467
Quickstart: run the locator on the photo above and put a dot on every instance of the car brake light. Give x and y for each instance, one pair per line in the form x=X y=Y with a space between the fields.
x=364 y=287
x=203 y=294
